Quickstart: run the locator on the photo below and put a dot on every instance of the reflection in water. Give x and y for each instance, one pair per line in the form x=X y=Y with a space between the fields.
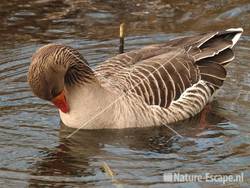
x=81 y=157
x=34 y=151
x=88 y=144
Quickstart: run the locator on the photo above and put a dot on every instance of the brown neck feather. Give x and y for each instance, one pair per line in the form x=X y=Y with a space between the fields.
x=78 y=69
x=78 y=73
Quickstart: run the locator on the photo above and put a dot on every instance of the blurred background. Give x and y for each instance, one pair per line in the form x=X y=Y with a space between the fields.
x=45 y=20
x=33 y=150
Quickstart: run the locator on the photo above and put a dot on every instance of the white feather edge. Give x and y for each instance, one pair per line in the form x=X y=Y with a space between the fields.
x=237 y=36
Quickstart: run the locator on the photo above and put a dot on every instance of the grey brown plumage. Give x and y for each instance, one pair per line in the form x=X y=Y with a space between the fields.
x=170 y=81
x=165 y=71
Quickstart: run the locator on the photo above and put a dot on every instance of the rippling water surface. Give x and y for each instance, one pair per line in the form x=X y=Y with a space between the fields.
x=33 y=148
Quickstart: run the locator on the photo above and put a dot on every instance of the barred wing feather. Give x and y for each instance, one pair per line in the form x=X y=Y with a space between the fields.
x=162 y=75
x=162 y=79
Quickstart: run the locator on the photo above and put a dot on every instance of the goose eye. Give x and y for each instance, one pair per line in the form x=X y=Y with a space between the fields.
x=53 y=92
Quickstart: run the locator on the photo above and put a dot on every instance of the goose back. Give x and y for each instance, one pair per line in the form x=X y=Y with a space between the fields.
x=160 y=74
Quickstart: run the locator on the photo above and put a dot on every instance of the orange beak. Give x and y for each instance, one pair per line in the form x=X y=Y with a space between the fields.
x=60 y=102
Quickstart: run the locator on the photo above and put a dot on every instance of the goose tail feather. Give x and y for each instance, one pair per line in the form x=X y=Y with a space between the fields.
x=213 y=54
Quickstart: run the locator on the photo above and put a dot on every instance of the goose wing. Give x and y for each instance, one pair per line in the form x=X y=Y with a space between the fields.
x=123 y=61
x=160 y=74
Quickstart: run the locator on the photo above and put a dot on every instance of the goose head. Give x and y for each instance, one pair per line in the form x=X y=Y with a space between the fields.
x=54 y=68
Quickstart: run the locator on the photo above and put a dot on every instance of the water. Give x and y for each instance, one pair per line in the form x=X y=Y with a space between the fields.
x=34 y=151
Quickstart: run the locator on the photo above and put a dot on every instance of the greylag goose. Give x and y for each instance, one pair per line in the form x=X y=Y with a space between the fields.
x=154 y=85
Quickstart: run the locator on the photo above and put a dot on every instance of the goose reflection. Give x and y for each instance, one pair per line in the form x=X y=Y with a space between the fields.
x=82 y=155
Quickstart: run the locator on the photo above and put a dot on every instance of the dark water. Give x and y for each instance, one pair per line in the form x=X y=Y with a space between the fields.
x=34 y=151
